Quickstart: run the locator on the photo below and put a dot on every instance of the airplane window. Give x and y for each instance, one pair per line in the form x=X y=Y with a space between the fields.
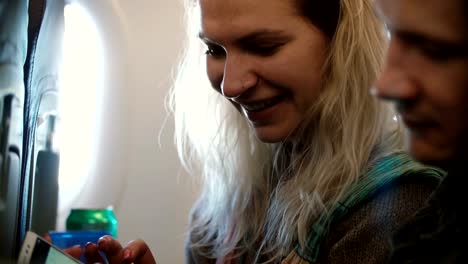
x=80 y=96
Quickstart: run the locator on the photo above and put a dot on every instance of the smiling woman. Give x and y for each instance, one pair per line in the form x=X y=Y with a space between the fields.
x=258 y=53
x=302 y=135
x=298 y=163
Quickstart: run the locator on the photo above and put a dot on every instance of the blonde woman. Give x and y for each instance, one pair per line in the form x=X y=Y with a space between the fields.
x=297 y=162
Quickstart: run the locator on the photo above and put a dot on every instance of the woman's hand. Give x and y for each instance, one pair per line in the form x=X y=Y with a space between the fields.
x=136 y=251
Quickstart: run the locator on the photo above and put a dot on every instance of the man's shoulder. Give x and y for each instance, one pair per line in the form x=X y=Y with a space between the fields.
x=436 y=234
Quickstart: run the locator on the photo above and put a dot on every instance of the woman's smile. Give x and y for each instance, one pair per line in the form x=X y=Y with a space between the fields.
x=261 y=112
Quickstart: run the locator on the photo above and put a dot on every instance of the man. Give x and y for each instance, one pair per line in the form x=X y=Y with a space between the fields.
x=426 y=76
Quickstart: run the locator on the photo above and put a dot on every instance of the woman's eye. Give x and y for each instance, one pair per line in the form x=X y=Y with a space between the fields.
x=264 y=50
x=215 y=51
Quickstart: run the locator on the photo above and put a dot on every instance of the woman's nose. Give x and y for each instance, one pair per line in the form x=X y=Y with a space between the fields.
x=238 y=77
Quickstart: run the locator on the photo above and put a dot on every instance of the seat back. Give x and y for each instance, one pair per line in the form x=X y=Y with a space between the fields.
x=30 y=48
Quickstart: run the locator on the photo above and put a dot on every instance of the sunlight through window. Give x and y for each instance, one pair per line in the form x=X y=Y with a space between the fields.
x=79 y=101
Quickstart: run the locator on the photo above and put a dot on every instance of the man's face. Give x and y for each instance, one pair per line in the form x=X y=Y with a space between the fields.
x=426 y=74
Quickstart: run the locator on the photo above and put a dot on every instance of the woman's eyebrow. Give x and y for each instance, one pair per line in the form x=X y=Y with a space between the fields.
x=256 y=35
x=204 y=38
x=262 y=34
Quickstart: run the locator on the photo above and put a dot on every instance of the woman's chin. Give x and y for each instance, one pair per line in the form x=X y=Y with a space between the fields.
x=272 y=134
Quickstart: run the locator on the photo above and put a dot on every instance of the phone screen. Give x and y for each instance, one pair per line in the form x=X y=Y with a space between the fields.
x=43 y=253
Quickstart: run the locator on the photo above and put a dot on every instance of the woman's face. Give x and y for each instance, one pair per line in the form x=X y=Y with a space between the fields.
x=266 y=59
x=426 y=74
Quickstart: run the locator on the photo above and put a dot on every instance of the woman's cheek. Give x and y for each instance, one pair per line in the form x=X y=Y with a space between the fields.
x=215 y=71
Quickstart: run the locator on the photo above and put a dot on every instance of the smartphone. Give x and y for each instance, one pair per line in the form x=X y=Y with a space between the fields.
x=36 y=250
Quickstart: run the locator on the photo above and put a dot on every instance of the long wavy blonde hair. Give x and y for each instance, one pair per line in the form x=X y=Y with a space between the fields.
x=263 y=196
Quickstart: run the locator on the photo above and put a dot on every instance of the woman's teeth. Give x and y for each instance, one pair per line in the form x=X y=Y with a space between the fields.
x=260 y=106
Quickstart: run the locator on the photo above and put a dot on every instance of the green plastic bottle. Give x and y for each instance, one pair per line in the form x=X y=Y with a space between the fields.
x=93 y=220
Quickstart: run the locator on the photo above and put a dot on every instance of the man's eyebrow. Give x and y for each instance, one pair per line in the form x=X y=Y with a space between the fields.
x=452 y=48
x=419 y=37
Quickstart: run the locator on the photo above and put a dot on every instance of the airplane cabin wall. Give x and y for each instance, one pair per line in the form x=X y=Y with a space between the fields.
x=137 y=170
x=158 y=196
